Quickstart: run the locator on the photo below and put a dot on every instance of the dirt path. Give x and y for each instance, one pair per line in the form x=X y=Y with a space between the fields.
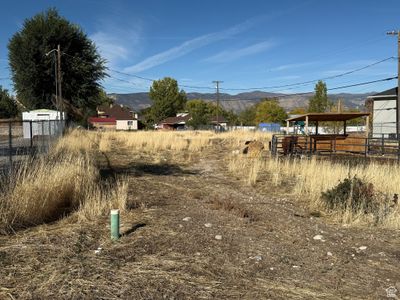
x=169 y=249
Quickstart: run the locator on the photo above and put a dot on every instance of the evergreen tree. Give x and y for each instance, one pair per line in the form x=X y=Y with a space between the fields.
x=319 y=102
x=8 y=107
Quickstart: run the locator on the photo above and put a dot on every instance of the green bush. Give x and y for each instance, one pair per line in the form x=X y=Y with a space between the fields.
x=352 y=194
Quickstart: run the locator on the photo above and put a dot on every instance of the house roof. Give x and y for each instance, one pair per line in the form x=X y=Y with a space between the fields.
x=329 y=116
x=116 y=111
x=175 y=120
x=102 y=120
x=391 y=93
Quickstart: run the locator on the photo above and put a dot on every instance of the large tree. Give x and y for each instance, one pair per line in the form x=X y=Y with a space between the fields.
x=269 y=111
x=167 y=99
x=33 y=72
x=8 y=107
x=319 y=102
x=200 y=112
x=248 y=116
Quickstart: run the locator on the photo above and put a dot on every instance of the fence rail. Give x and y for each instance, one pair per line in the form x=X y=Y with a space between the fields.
x=334 y=144
x=22 y=139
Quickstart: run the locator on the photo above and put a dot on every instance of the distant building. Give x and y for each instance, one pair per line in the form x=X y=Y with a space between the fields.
x=174 y=123
x=103 y=123
x=382 y=107
x=180 y=122
x=220 y=122
x=114 y=117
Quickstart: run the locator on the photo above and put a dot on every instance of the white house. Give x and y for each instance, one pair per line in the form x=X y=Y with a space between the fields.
x=42 y=122
x=125 y=119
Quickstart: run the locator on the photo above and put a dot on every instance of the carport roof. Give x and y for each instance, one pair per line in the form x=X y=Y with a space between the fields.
x=329 y=116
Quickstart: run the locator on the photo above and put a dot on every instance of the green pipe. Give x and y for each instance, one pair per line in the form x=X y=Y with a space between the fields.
x=115 y=224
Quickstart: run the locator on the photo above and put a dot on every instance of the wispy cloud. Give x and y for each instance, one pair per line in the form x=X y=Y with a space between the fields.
x=189 y=46
x=226 y=56
x=289 y=77
x=292 y=66
x=121 y=84
x=117 y=42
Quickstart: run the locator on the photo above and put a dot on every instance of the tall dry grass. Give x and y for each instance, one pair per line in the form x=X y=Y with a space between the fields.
x=191 y=141
x=65 y=181
x=312 y=177
x=68 y=181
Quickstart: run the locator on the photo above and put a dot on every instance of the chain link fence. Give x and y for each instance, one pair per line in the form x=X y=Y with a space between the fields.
x=22 y=139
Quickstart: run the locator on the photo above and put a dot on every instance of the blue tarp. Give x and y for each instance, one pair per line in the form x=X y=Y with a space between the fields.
x=270 y=127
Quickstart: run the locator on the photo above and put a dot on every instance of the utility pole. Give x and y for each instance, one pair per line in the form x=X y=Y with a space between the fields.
x=56 y=78
x=60 y=100
x=217 y=82
x=339 y=106
x=398 y=82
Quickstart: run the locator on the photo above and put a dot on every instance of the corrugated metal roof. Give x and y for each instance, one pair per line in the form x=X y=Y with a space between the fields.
x=329 y=116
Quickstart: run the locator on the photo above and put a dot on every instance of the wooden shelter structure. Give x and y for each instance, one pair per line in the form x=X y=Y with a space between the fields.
x=316 y=118
x=312 y=142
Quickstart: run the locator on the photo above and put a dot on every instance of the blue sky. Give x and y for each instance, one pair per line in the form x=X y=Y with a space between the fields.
x=245 y=44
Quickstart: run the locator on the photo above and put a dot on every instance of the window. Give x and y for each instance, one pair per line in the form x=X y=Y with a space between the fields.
x=130 y=123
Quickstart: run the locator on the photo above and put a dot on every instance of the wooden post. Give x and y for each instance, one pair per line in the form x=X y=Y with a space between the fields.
x=316 y=127
x=115 y=224
x=367 y=127
x=306 y=125
x=344 y=127
x=287 y=127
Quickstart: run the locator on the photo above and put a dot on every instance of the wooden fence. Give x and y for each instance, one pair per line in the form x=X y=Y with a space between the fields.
x=334 y=144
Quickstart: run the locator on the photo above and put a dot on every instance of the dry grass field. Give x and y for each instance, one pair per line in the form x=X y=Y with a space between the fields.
x=199 y=220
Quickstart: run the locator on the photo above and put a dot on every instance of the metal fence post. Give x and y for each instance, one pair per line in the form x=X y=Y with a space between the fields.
x=10 y=143
x=31 y=133
x=42 y=137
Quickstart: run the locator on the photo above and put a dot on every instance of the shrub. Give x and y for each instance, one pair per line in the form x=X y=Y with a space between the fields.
x=352 y=194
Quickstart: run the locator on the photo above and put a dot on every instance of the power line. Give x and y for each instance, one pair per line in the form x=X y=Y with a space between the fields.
x=329 y=89
x=314 y=80
x=269 y=87
x=152 y=80
x=362 y=83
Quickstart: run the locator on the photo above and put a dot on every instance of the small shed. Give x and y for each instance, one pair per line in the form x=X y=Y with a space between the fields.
x=315 y=142
x=42 y=122
x=383 y=108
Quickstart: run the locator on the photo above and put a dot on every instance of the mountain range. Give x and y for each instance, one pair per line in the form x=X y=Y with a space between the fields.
x=239 y=102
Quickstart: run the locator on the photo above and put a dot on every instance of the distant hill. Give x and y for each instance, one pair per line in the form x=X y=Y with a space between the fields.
x=239 y=102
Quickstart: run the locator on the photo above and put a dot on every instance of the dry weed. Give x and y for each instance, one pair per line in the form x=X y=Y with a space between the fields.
x=312 y=177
